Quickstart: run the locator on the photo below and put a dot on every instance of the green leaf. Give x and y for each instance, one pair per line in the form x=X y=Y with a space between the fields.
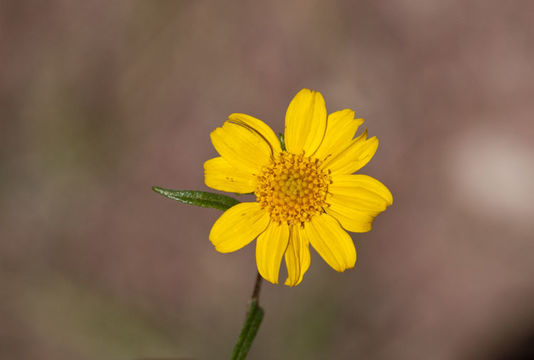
x=198 y=198
x=249 y=331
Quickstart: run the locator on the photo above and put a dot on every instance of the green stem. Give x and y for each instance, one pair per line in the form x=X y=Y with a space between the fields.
x=251 y=325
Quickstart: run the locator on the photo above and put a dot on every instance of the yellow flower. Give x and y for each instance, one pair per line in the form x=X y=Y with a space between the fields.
x=304 y=195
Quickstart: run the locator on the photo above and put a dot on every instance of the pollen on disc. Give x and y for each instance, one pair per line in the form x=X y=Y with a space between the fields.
x=293 y=188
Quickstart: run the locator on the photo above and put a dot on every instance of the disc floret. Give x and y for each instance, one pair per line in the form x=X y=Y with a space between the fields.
x=293 y=188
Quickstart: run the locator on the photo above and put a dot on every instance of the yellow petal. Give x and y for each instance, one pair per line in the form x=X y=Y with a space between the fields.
x=238 y=226
x=331 y=242
x=305 y=122
x=354 y=157
x=355 y=200
x=353 y=185
x=270 y=248
x=350 y=219
x=242 y=147
x=340 y=129
x=259 y=127
x=297 y=256
x=220 y=175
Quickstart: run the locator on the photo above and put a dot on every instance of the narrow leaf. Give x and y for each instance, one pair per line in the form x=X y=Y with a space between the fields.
x=198 y=198
x=249 y=331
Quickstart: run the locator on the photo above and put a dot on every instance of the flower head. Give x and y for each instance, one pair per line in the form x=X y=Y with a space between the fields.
x=305 y=194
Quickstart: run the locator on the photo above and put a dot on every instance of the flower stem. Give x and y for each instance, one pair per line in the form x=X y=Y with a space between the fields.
x=257 y=288
x=251 y=325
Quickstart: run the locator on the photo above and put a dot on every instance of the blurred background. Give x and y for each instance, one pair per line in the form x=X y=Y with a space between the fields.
x=101 y=100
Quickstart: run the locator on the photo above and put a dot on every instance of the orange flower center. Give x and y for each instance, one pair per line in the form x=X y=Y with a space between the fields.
x=293 y=188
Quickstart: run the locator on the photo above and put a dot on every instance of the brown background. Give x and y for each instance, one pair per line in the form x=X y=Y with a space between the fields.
x=101 y=100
